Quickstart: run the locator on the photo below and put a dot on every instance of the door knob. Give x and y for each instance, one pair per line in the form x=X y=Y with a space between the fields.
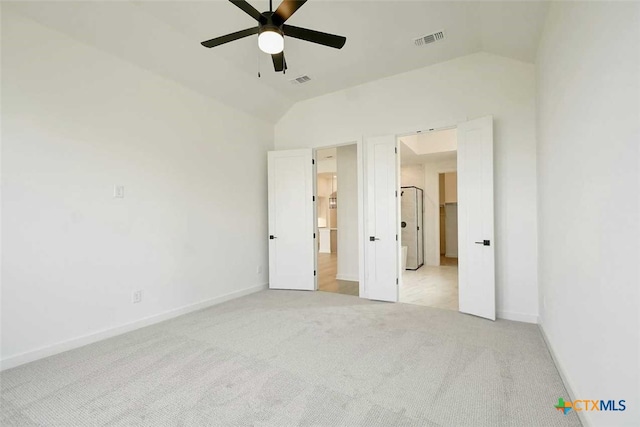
x=373 y=238
x=484 y=243
x=271 y=237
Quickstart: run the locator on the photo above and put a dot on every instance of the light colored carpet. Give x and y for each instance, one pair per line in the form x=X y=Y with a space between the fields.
x=286 y=358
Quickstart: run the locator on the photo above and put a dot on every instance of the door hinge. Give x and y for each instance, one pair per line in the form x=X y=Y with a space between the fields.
x=396 y=193
x=397 y=281
x=314 y=272
x=313 y=162
x=395 y=149
x=313 y=198
x=314 y=235
x=396 y=237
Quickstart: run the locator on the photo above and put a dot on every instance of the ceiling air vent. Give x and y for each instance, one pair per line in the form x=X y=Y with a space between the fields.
x=300 y=80
x=429 y=38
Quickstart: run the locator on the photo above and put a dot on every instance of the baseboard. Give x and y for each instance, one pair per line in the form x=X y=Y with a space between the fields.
x=518 y=317
x=563 y=375
x=30 y=356
x=347 y=278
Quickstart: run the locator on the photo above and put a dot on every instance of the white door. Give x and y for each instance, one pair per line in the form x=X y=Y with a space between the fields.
x=476 y=274
x=381 y=221
x=291 y=220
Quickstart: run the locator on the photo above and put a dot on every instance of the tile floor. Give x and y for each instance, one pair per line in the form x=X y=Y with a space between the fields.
x=432 y=286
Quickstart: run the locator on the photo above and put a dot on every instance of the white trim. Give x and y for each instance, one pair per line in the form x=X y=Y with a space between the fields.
x=563 y=375
x=347 y=277
x=419 y=128
x=518 y=317
x=316 y=230
x=30 y=356
x=362 y=288
x=451 y=123
x=358 y=141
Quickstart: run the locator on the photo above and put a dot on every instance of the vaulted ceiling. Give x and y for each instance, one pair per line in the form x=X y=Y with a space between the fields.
x=164 y=37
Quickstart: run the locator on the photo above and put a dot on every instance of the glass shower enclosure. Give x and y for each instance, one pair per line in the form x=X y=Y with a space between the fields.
x=411 y=208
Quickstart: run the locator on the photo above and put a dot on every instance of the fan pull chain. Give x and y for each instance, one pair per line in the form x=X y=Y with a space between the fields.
x=258 y=61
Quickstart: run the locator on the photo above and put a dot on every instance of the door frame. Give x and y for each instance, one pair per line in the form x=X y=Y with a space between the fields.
x=358 y=142
x=433 y=127
x=460 y=193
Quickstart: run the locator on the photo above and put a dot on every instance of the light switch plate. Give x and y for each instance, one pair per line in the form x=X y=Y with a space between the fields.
x=118 y=191
x=136 y=297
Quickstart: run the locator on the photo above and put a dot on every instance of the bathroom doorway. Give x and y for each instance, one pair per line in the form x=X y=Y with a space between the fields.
x=337 y=247
x=428 y=212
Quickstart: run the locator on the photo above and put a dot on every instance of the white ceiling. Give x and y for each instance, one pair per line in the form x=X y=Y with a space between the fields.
x=408 y=159
x=432 y=142
x=164 y=37
x=425 y=147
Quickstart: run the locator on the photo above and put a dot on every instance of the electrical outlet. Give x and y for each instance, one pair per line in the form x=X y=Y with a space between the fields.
x=259 y=269
x=118 y=191
x=136 y=297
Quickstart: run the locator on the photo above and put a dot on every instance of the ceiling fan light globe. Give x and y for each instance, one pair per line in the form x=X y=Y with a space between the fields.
x=271 y=42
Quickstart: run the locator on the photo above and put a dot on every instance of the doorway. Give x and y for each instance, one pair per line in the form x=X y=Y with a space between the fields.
x=337 y=220
x=293 y=225
x=429 y=220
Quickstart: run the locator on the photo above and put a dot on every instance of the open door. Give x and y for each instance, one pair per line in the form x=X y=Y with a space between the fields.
x=381 y=221
x=291 y=220
x=476 y=274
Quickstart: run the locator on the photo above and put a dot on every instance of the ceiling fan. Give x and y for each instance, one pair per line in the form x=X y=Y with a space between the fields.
x=272 y=29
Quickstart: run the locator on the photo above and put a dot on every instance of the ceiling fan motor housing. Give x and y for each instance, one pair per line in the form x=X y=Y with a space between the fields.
x=268 y=22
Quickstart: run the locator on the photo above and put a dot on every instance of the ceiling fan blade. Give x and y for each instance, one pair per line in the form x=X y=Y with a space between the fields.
x=286 y=9
x=279 y=63
x=313 y=36
x=230 y=37
x=249 y=10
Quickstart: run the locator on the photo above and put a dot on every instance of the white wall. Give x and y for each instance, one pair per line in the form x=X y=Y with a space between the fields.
x=432 y=142
x=326 y=166
x=191 y=228
x=451 y=187
x=588 y=188
x=348 y=253
x=324 y=190
x=412 y=176
x=439 y=95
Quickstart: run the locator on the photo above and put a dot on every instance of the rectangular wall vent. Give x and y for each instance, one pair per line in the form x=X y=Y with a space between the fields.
x=300 y=80
x=429 y=38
